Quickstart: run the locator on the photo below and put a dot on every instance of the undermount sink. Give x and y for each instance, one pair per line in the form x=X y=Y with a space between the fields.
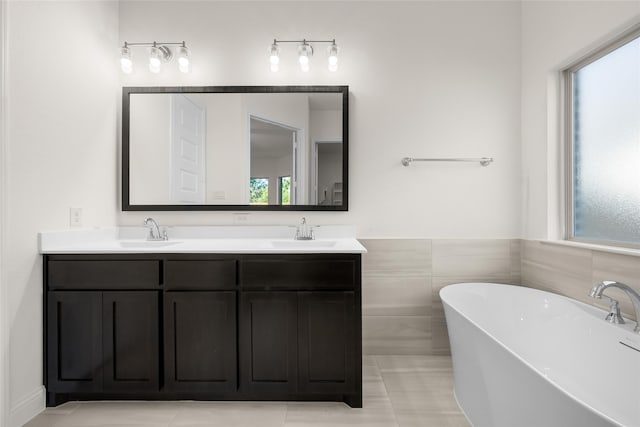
x=299 y=244
x=146 y=243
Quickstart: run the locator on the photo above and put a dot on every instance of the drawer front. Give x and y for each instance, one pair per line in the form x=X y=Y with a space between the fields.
x=301 y=273
x=103 y=274
x=201 y=274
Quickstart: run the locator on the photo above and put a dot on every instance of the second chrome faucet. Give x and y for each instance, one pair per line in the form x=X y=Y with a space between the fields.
x=304 y=231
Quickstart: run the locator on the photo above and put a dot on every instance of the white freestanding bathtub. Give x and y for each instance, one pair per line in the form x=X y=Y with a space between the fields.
x=523 y=357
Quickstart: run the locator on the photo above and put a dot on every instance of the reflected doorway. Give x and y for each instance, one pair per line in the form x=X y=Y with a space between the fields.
x=327 y=172
x=273 y=159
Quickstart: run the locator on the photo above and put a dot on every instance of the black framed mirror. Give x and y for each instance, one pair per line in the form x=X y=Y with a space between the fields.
x=241 y=148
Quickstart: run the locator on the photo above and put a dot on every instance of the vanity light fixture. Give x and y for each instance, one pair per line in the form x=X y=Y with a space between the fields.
x=158 y=53
x=305 y=52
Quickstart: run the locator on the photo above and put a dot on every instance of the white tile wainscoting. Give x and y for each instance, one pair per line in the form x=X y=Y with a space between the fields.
x=401 y=308
x=572 y=271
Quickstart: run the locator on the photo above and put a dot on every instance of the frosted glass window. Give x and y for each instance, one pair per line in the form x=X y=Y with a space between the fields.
x=606 y=147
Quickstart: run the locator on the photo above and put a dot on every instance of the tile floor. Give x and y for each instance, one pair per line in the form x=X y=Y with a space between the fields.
x=399 y=391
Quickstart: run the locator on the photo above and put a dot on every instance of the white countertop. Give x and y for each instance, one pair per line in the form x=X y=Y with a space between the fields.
x=205 y=239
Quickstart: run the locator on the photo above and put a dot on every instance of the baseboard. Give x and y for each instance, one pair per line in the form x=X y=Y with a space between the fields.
x=27 y=408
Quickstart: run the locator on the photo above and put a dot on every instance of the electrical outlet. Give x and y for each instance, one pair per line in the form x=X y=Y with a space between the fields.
x=240 y=218
x=75 y=217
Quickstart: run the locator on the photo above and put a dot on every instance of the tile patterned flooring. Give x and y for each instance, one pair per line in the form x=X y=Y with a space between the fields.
x=399 y=391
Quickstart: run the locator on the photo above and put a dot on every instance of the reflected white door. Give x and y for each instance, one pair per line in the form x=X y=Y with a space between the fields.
x=187 y=151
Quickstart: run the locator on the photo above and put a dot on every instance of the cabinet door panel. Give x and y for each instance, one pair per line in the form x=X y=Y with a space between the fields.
x=326 y=342
x=200 y=341
x=74 y=342
x=268 y=333
x=131 y=349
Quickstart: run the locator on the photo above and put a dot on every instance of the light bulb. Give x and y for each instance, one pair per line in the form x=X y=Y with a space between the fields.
x=126 y=64
x=274 y=57
x=333 y=57
x=304 y=53
x=184 y=64
x=154 y=60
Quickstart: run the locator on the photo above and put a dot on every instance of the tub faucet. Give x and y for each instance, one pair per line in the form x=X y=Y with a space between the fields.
x=614 y=314
x=154 y=230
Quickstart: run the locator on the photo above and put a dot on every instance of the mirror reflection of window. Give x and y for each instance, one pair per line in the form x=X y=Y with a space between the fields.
x=259 y=191
x=284 y=192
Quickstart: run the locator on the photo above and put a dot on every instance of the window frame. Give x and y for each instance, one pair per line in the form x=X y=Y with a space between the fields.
x=568 y=78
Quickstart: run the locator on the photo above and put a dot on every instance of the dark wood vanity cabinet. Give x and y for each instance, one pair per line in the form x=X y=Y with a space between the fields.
x=298 y=342
x=74 y=341
x=200 y=324
x=203 y=326
x=102 y=341
x=269 y=342
x=326 y=334
x=300 y=325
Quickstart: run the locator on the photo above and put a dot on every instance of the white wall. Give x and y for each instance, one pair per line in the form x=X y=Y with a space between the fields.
x=426 y=79
x=61 y=152
x=4 y=304
x=553 y=35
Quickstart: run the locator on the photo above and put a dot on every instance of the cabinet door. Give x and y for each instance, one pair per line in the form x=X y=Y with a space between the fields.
x=74 y=342
x=268 y=342
x=130 y=341
x=327 y=341
x=200 y=341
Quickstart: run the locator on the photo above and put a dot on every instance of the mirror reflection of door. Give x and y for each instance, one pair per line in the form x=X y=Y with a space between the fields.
x=187 y=160
x=328 y=172
x=272 y=162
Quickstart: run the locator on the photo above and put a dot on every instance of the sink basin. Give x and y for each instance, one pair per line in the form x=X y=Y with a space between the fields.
x=147 y=243
x=300 y=244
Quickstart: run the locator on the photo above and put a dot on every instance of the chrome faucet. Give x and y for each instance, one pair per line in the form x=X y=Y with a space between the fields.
x=154 y=230
x=614 y=309
x=304 y=231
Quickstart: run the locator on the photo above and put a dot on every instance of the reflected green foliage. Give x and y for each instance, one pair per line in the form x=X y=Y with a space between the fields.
x=259 y=191
x=285 y=190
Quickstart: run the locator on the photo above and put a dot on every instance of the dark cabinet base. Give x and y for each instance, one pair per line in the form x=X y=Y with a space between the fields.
x=55 y=399
x=203 y=327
